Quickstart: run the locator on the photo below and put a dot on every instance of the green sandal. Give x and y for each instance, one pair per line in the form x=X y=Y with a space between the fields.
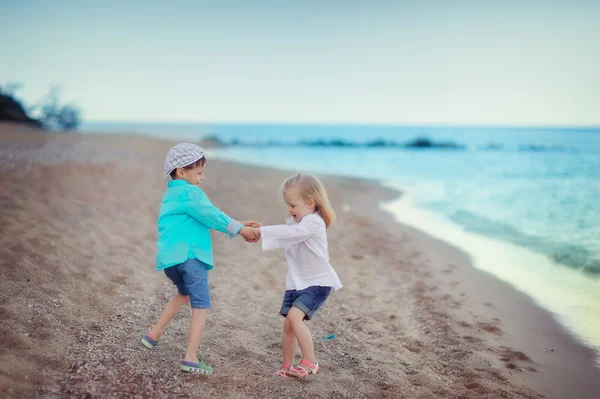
x=200 y=367
x=149 y=342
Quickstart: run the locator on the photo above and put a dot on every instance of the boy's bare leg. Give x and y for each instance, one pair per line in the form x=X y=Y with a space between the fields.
x=195 y=334
x=168 y=313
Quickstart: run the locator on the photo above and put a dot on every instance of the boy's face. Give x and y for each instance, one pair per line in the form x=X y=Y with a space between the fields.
x=193 y=176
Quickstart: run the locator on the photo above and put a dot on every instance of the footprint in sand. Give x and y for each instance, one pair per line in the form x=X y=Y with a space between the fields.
x=511 y=359
x=510 y=354
x=415 y=347
x=490 y=327
x=4 y=315
x=471 y=339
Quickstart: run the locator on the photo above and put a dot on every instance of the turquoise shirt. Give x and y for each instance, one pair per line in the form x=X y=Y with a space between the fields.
x=184 y=222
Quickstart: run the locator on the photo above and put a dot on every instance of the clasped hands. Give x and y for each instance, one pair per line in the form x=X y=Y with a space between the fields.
x=250 y=231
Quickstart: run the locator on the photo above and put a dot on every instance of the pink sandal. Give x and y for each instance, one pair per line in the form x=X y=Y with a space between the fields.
x=282 y=370
x=305 y=368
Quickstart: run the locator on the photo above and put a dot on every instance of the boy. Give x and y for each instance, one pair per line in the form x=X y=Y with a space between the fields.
x=185 y=248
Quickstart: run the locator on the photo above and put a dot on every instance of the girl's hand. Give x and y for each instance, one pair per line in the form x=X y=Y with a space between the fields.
x=251 y=223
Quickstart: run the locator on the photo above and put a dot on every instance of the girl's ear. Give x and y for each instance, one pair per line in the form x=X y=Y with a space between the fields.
x=311 y=203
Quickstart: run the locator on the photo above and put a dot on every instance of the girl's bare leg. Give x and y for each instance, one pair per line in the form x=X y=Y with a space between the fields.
x=302 y=334
x=288 y=342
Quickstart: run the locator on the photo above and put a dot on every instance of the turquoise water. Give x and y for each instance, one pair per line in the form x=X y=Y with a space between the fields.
x=532 y=195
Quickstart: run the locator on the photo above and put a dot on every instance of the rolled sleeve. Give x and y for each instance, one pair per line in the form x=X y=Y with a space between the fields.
x=233 y=228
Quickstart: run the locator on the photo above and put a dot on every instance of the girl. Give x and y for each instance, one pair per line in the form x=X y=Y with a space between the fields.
x=310 y=278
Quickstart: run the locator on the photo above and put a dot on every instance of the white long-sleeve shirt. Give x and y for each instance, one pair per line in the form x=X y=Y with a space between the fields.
x=305 y=245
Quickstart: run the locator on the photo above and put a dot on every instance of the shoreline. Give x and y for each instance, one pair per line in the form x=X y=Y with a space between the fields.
x=433 y=324
x=501 y=259
x=518 y=323
x=577 y=315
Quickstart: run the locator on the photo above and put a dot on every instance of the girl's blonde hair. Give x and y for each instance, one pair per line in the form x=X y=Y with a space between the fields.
x=312 y=189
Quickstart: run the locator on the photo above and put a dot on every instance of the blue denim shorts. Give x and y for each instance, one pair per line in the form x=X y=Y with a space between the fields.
x=308 y=300
x=191 y=278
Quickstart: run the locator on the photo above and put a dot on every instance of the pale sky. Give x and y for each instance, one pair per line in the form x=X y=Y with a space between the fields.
x=385 y=62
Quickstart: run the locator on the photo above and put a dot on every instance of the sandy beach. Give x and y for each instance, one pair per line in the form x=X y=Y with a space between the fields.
x=78 y=289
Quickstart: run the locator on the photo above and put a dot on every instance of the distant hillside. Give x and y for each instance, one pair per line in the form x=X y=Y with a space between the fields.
x=52 y=114
x=12 y=110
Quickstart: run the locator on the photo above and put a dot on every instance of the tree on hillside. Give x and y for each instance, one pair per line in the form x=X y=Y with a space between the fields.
x=50 y=113
x=55 y=116
x=11 y=108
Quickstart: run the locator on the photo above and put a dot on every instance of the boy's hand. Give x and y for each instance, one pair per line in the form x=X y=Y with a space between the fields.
x=251 y=223
x=250 y=234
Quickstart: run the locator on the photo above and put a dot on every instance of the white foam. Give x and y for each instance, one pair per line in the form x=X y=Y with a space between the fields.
x=572 y=297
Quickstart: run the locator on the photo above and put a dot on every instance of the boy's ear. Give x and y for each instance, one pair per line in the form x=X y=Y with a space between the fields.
x=179 y=173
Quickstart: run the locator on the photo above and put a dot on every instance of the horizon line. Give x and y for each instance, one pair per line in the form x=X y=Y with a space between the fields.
x=347 y=124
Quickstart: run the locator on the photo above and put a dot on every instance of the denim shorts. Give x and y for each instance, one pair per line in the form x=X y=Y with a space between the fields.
x=191 y=278
x=308 y=300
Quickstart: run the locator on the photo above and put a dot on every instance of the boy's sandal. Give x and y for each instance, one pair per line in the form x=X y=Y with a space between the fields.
x=199 y=368
x=305 y=368
x=149 y=342
x=285 y=368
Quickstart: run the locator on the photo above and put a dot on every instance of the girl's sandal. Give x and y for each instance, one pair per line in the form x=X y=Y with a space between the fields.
x=285 y=368
x=305 y=368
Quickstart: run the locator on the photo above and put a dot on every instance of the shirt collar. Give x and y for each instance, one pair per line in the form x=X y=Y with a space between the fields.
x=177 y=182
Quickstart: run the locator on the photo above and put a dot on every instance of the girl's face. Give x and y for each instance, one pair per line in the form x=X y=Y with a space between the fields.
x=297 y=206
